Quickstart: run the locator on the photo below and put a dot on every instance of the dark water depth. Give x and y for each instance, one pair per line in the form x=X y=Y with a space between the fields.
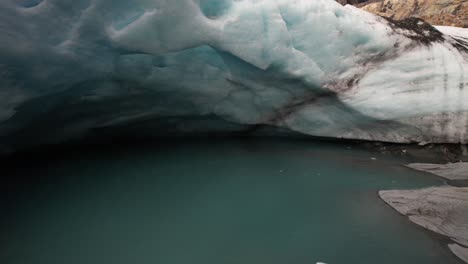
x=212 y=202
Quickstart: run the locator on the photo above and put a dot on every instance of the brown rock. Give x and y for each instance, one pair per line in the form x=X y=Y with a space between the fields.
x=435 y=12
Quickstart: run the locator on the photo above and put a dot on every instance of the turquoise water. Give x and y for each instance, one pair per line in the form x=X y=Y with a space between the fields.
x=211 y=202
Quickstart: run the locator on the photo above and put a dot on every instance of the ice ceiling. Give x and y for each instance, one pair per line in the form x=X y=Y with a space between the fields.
x=69 y=69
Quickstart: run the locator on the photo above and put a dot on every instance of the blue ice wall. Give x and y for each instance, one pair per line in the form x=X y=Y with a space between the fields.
x=71 y=68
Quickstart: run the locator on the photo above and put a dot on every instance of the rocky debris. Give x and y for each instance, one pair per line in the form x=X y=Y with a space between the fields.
x=358 y=3
x=450 y=171
x=429 y=153
x=443 y=210
x=416 y=29
x=436 y=12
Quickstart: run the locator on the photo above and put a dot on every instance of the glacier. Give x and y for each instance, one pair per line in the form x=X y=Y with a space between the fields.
x=71 y=69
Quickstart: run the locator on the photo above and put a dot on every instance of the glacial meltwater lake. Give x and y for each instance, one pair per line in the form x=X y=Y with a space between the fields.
x=232 y=201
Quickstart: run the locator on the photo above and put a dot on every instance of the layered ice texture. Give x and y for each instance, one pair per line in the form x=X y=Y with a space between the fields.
x=70 y=69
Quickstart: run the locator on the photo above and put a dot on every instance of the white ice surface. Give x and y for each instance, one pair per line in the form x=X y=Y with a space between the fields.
x=454 y=31
x=245 y=61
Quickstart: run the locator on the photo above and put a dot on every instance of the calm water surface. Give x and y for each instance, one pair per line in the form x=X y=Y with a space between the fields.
x=212 y=202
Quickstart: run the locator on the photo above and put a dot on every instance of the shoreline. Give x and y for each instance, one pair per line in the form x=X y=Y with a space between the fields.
x=441 y=209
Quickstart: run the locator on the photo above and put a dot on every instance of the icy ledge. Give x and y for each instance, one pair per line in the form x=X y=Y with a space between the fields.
x=452 y=171
x=70 y=69
x=443 y=210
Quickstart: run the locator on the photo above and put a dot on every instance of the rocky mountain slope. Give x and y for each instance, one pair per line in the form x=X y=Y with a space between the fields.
x=436 y=12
